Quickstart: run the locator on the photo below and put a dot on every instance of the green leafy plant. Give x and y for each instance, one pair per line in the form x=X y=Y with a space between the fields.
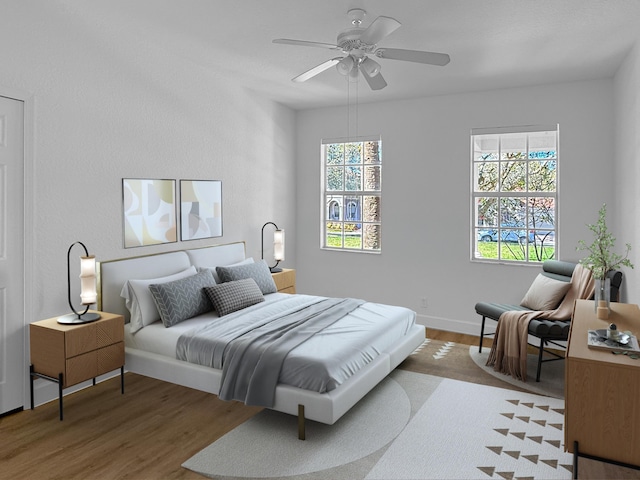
x=601 y=259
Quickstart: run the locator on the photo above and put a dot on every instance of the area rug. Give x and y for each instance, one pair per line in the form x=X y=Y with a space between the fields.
x=462 y=362
x=551 y=378
x=411 y=426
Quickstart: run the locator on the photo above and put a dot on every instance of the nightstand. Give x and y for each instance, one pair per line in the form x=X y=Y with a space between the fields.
x=71 y=354
x=285 y=280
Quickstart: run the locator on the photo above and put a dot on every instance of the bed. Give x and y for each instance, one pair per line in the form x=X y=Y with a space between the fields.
x=151 y=349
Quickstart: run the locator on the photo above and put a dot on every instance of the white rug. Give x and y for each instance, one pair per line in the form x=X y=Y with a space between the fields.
x=412 y=426
x=551 y=376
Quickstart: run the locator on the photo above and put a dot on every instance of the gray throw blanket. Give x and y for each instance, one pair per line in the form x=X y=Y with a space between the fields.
x=253 y=360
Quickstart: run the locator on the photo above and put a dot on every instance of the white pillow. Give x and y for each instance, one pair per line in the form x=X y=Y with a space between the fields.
x=246 y=261
x=139 y=300
x=545 y=293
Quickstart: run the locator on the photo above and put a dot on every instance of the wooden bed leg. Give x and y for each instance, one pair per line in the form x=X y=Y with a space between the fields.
x=301 y=425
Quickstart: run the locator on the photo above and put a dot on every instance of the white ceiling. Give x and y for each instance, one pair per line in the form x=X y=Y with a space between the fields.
x=492 y=43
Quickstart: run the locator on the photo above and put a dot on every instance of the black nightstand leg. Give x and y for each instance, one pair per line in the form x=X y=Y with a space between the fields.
x=60 y=382
x=122 y=379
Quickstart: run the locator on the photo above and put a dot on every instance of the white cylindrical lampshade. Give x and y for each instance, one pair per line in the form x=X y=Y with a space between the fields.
x=88 y=290
x=278 y=245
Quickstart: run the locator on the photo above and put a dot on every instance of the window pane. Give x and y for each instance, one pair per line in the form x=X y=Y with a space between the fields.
x=371 y=152
x=485 y=147
x=371 y=237
x=486 y=176
x=352 y=208
x=487 y=211
x=372 y=178
x=353 y=178
x=352 y=235
x=542 y=176
x=334 y=178
x=334 y=234
x=333 y=203
x=513 y=146
x=371 y=208
x=353 y=153
x=335 y=153
x=513 y=176
x=512 y=211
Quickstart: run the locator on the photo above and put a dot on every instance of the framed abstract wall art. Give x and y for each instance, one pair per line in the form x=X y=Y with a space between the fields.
x=149 y=211
x=200 y=209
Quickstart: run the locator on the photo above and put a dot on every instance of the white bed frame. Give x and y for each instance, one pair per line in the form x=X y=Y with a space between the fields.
x=322 y=407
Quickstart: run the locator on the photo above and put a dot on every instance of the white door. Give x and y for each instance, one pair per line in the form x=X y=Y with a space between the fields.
x=12 y=335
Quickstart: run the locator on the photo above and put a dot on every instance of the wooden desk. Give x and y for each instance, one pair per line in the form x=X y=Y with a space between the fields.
x=602 y=391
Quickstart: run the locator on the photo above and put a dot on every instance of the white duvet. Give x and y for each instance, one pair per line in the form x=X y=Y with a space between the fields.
x=338 y=351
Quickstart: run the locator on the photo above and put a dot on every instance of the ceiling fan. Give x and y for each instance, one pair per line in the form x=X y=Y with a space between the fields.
x=358 y=43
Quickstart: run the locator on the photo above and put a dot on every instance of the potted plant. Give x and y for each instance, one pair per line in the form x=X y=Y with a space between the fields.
x=601 y=260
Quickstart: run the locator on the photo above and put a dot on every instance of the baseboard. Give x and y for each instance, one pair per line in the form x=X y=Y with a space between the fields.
x=452 y=325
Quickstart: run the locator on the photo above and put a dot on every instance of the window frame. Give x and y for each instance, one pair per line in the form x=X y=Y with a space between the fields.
x=346 y=198
x=514 y=230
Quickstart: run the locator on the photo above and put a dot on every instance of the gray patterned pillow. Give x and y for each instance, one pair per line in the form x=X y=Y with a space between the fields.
x=259 y=271
x=182 y=299
x=231 y=296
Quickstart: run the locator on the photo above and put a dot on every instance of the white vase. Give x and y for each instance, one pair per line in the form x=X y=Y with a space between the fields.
x=602 y=297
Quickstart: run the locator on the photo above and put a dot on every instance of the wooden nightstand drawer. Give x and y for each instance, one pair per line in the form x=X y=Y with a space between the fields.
x=285 y=280
x=109 y=358
x=80 y=368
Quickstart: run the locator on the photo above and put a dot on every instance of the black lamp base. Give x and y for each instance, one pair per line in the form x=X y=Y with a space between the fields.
x=74 y=318
x=275 y=269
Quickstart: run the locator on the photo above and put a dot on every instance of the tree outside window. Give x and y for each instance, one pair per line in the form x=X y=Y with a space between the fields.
x=514 y=198
x=351 y=190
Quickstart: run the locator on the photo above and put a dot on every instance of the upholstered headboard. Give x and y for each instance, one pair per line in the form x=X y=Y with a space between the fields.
x=113 y=274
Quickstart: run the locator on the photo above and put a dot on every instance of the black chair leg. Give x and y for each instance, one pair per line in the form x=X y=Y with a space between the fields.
x=541 y=351
x=481 y=334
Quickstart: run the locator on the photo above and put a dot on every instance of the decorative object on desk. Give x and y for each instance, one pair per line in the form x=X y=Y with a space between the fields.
x=200 y=209
x=600 y=339
x=278 y=247
x=88 y=291
x=149 y=211
x=601 y=260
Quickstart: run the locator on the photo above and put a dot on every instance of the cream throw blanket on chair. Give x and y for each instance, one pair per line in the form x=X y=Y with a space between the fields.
x=509 y=350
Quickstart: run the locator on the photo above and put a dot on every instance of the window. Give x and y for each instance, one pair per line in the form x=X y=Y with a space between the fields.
x=351 y=191
x=514 y=199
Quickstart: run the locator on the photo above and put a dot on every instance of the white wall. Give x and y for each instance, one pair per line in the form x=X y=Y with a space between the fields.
x=426 y=182
x=111 y=104
x=627 y=168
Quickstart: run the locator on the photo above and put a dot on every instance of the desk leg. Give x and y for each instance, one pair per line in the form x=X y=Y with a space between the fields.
x=575 y=460
x=122 y=379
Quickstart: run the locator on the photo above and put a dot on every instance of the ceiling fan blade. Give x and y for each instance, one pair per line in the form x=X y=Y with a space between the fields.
x=303 y=77
x=303 y=43
x=418 y=56
x=379 y=28
x=376 y=82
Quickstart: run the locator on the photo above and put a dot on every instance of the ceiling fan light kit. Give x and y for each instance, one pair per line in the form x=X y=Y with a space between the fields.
x=357 y=42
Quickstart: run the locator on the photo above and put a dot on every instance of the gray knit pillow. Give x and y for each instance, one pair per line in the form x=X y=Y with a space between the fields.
x=231 y=296
x=259 y=271
x=182 y=299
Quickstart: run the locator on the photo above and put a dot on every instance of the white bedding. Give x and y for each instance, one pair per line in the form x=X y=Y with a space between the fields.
x=343 y=348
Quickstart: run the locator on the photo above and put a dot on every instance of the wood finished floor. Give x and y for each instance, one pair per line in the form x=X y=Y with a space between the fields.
x=147 y=433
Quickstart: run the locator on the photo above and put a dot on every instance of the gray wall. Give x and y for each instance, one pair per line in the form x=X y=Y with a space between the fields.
x=426 y=185
x=109 y=107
